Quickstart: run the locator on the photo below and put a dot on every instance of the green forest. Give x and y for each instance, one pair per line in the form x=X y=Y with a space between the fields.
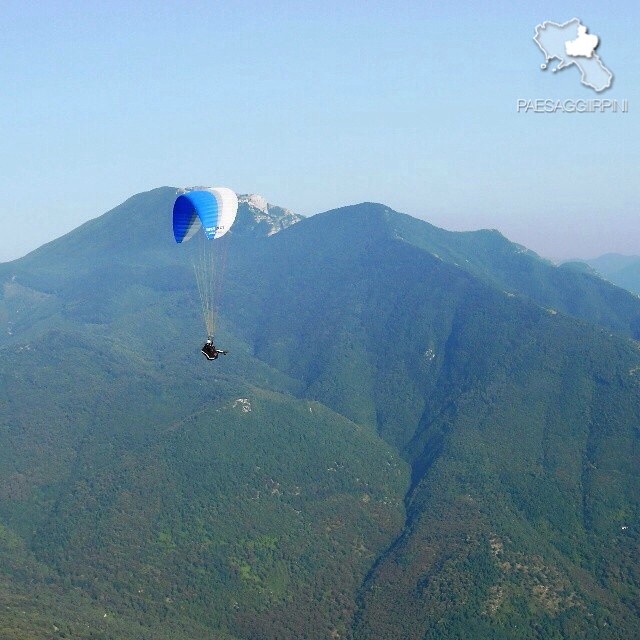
x=417 y=434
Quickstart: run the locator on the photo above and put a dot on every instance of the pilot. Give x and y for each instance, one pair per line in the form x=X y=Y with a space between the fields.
x=210 y=351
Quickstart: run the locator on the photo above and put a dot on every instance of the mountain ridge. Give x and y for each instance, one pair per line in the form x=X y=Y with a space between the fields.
x=622 y=270
x=397 y=444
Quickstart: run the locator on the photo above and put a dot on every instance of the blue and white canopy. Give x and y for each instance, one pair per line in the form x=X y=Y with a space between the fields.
x=212 y=209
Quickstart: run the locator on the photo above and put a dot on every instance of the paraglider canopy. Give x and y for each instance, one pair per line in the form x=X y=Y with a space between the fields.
x=212 y=209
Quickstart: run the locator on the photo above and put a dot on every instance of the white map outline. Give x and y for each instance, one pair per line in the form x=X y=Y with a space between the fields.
x=563 y=64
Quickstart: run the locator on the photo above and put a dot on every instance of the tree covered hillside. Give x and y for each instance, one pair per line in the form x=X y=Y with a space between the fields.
x=417 y=434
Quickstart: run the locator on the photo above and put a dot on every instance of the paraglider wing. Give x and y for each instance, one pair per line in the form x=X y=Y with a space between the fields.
x=213 y=209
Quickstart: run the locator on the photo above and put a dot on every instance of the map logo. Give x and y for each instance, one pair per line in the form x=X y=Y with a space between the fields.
x=571 y=44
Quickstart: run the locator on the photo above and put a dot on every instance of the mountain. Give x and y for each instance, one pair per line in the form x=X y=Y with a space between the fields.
x=417 y=434
x=621 y=270
x=256 y=215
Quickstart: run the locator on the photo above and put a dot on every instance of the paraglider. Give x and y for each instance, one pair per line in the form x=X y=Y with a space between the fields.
x=206 y=215
x=210 y=351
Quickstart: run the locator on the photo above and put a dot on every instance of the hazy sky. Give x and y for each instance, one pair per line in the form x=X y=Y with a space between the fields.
x=317 y=105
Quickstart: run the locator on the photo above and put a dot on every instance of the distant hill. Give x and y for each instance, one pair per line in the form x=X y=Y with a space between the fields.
x=621 y=270
x=417 y=434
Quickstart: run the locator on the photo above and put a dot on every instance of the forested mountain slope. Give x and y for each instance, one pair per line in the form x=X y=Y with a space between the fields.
x=417 y=434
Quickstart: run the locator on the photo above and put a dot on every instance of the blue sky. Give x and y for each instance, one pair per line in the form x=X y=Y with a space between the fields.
x=318 y=105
